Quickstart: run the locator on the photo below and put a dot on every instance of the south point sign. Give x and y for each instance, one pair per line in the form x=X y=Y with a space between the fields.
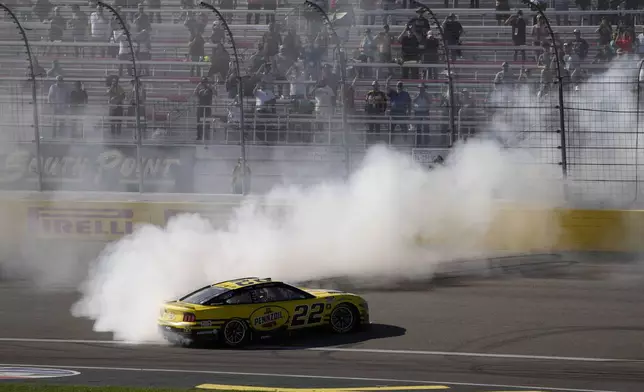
x=94 y=167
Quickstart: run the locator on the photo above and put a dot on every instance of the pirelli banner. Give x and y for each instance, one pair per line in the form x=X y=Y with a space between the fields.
x=97 y=167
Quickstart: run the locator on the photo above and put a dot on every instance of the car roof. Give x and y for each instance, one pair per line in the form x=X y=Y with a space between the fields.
x=235 y=284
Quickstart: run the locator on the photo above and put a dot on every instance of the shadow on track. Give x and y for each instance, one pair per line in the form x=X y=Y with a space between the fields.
x=316 y=338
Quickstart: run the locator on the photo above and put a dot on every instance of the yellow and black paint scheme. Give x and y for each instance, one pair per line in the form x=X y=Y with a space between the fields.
x=256 y=307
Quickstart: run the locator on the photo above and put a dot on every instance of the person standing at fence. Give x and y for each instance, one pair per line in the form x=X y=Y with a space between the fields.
x=78 y=101
x=453 y=30
x=116 y=97
x=375 y=108
x=204 y=93
x=399 y=106
x=518 y=33
x=100 y=30
x=58 y=98
x=239 y=176
x=421 y=106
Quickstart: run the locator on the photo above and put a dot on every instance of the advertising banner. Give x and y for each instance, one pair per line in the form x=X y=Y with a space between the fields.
x=97 y=167
x=97 y=221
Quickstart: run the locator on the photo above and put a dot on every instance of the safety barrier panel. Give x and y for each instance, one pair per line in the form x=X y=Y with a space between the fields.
x=513 y=229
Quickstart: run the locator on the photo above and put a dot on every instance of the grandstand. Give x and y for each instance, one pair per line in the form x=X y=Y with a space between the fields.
x=171 y=108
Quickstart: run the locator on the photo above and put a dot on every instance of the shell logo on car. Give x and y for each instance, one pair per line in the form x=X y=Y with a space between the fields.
x=268 y=318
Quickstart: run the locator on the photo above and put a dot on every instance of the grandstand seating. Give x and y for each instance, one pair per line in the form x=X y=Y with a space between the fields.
x=169 y=86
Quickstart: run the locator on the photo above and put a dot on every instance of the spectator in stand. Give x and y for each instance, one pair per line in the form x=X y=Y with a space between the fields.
x=502 y=6
x=349 y=98
x=538 y=5
x=116 y=97
x=38 y=70
x=453 y=31
x=266 y=76
x=57 y=26
x=292 y=44
x=383 y=42
x=282 y=64
x=56 y=70
x=204 y=93
x=375 y=106
x=545 y=57
x=219 y=63
x=253 y=5
x=624 y=41
x=42 y=9
x=539 y=34
x=257 y=60
x=368 y=6
x=272 y=40
x=420 y=24
x=124 y=53
x=580 y=45
x=78 y=100
x=141 y=20
x=196 y=51
x=368 y=49
x=605 y=32
x=264 y=109
x=270 y=5
x=58 y=98
x=324 y=108
x=332 y=79
x=228 y=5
x=100 y=30
x=297 y=79
x=562 y=6
x=399 y=106
x=518 y=33
x=409 y=43
x=547 y=77
x=155 y=7
x=428 y=49
x=504 y=78
x=143 y=50
x=421 y=105
x=78 y=25
x=218 y=35
x=571 y=61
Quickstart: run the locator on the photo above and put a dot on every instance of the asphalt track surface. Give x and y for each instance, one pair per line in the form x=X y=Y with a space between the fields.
x=502 y=334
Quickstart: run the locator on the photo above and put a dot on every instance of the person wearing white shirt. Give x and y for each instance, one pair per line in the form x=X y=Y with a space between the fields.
x=124 y=50
x=99 y=29
x=297 y=78
x=264 y=108
x=323 y=104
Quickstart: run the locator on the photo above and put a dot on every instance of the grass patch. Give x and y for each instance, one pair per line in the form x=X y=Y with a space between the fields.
x=79 y=388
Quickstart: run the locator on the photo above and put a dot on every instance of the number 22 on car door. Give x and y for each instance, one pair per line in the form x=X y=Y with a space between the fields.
x=306 y=315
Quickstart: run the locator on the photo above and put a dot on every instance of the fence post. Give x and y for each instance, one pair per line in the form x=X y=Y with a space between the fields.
x=240 y=93
x=562 y=120
x=637 y=129
x=343 y=81
x=139 y=136
x=450 y=80
x=34 y=95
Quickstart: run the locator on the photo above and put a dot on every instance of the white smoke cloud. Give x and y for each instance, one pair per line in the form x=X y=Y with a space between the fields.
x=364 y=227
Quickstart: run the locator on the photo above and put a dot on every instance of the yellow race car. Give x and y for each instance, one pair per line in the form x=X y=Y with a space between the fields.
x=236 y=312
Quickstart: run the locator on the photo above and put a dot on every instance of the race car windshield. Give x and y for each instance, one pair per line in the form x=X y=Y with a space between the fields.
x=203 y=295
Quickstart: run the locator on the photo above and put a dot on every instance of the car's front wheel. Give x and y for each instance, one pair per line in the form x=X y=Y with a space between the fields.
x=235 y=333
x=344 y=319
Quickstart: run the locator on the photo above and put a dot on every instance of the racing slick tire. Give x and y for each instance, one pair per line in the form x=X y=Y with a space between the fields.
x=235 y=333
x=344 y=318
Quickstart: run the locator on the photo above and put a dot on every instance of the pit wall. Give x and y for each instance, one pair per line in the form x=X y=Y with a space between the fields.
x=31 y=221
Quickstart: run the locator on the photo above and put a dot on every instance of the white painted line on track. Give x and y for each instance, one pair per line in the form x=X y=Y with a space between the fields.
x=349 y=350
x=304 y=376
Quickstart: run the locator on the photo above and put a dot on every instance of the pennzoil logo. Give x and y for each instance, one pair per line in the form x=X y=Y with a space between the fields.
x=268 y=318
x=62 y=222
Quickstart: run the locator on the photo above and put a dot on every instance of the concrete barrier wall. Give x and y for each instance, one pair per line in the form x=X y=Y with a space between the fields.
x=32 y=218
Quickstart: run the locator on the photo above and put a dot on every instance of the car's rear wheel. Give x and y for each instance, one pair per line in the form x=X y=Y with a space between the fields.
x=344 y=319
x=235 y=333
